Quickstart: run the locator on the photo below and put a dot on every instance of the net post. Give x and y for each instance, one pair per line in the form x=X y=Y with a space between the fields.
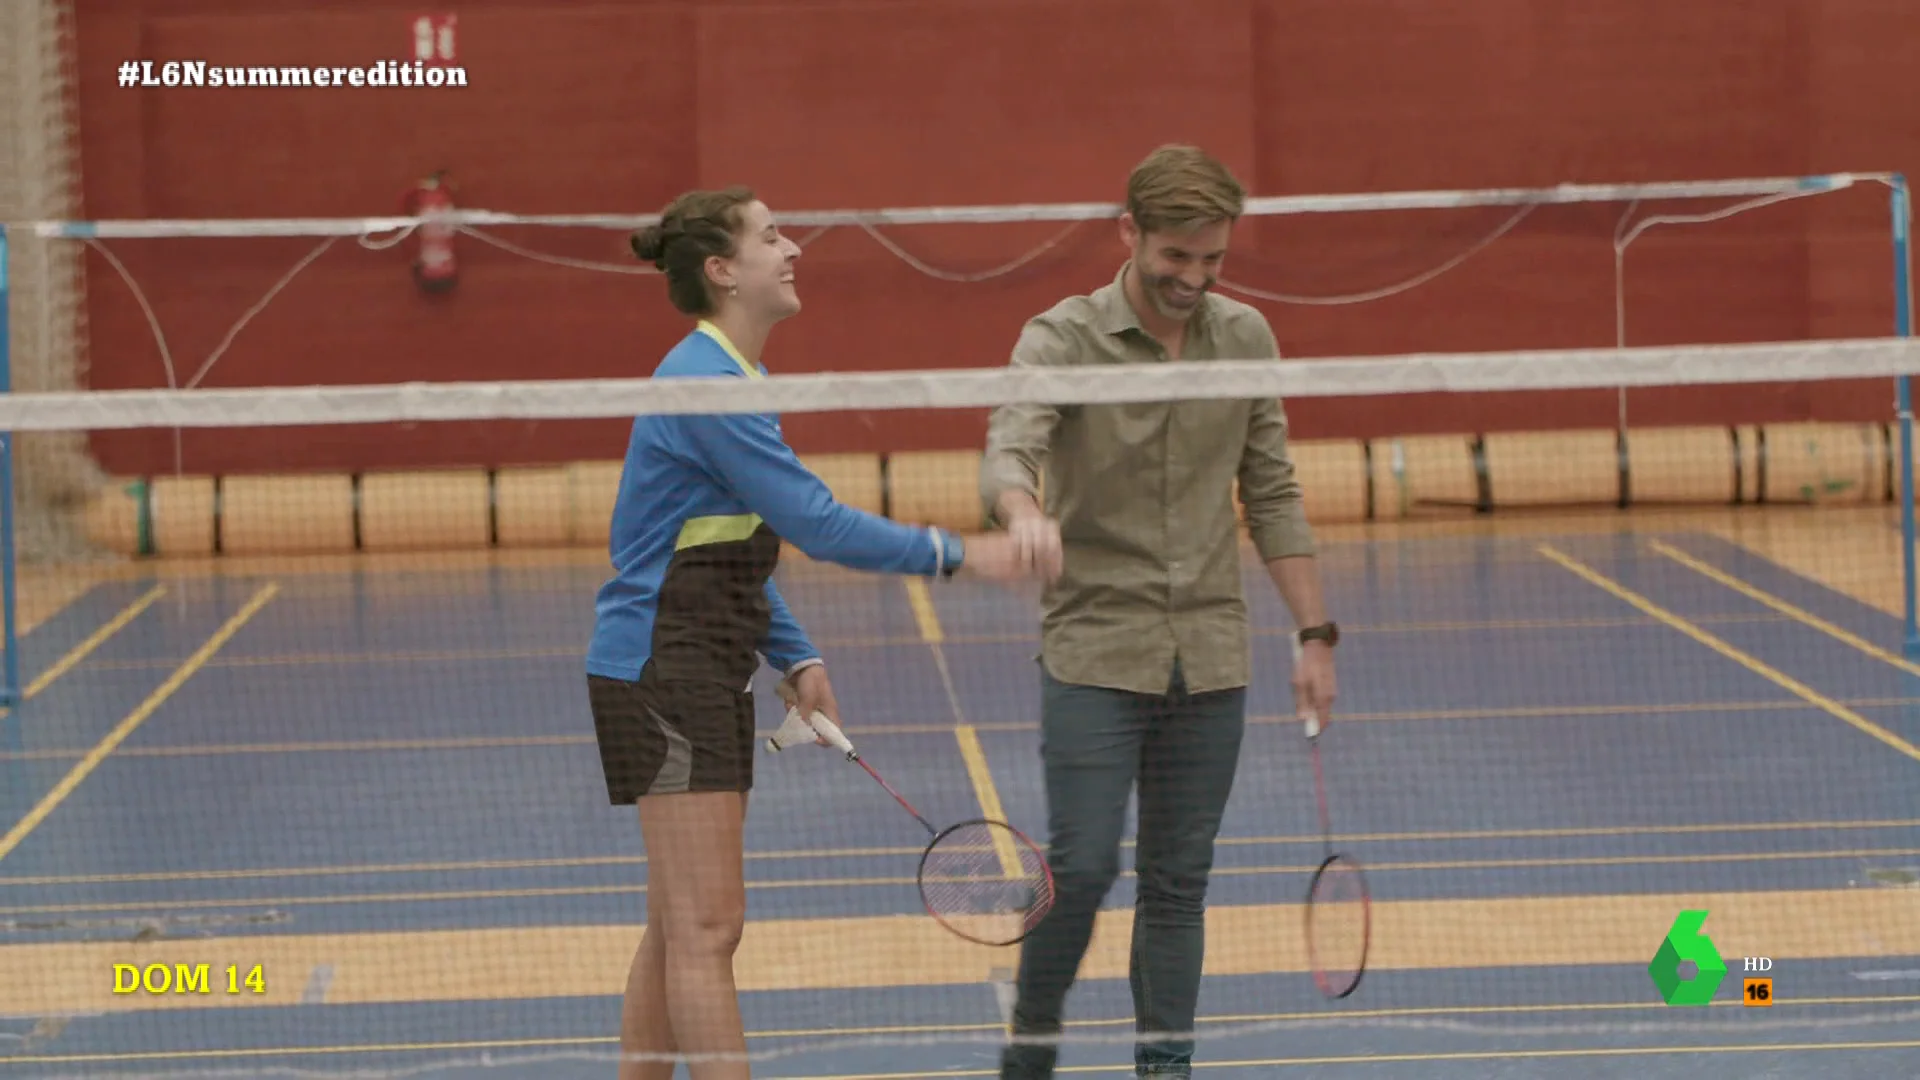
x=1903 y=327
x=9 y=636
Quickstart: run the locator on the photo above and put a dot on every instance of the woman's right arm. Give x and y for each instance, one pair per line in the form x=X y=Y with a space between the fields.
x=747 y=452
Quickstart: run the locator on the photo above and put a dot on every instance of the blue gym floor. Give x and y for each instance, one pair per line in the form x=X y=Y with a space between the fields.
x=387 y=751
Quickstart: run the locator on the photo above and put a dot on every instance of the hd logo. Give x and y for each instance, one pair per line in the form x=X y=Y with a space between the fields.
x=1685 y=942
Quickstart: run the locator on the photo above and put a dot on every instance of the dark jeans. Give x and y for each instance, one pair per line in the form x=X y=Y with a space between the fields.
x=1182 y=750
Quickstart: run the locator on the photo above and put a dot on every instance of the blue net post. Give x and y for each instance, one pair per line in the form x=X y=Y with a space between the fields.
x=1903 y=404
x=9 y=635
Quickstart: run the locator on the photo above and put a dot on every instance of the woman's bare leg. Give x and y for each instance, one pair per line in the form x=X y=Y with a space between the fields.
x=696 y=903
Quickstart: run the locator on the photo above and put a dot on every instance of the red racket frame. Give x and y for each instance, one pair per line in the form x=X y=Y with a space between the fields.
x=1331 y=857
x=1044 y=895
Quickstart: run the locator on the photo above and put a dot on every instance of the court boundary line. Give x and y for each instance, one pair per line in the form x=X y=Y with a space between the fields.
x=590 y=862
x=1200 y=1022
x=1402 y=1059
x=973 y=757
x=73 y=657
x=1402 y=866
x=87 y=645
x=1792 y=611
x=460 y=656
x=121 y=731
x=1730 y=651
x=515 y=742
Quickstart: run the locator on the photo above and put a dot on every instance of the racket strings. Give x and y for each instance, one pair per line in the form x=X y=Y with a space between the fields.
x=986 y=882
x=1338 y=926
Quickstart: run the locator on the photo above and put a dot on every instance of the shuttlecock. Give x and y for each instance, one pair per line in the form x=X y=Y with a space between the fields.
x=794 y=731
x=797 y=729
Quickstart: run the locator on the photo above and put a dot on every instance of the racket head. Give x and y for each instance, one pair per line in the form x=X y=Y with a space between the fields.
x=986 y=882
x=1339 y=918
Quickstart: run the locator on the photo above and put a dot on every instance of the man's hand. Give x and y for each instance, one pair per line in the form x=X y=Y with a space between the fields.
x=1313 y=682
x=813 y=692
x=1036 y=541
x=1000 y=557
x=1034 y=535
x=993 y=556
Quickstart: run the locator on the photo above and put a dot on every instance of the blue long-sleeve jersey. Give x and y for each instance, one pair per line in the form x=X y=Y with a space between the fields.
x=704 y=504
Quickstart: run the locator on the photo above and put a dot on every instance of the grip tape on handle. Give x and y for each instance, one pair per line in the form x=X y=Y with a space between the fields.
x=798 y=729
x=1310 y=718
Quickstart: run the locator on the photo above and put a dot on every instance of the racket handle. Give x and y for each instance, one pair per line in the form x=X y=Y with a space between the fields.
x=797 y=730
x=831 y=730
x=1310 y=719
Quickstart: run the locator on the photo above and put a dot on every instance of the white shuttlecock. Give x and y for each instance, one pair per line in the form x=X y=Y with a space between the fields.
x=797 y=730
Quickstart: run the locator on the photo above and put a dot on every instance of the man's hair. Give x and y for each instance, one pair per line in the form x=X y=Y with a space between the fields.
x=1179 y=187
x=692 y=229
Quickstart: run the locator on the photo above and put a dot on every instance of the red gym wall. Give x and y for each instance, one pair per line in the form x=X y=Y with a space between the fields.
x=580 y=107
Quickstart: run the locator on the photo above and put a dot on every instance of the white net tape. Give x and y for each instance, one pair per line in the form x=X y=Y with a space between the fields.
x=984 y=215
x=833 y=391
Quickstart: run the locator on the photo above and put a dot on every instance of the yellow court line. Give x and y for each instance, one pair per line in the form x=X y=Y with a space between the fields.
x=94 y=641
x=134 y=719
x=890 y=883
x=1609 y=831
x=558 y=1041
x=917 y=596
x=1522 y=712
x=425 y=742
x=1559 y=862
x=589 y=862
x=924 y=614
x=86 y=647
x=1789 y=610
x=971 y=753
x=989 y=795
x=1772 y=674
x=1519 y=712
x=1409 y=1058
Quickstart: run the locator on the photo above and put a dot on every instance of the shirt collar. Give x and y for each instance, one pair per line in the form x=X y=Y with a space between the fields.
x=720 y=336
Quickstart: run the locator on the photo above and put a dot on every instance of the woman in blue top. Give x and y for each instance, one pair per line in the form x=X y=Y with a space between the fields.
x=704 y=505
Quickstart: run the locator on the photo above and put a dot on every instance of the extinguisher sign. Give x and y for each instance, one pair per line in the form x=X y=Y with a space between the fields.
x=433 y=38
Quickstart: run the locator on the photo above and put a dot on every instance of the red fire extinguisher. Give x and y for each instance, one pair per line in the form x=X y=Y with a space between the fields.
x=434 y=267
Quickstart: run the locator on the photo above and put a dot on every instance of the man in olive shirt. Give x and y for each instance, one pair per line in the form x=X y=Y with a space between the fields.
x=1145 y=648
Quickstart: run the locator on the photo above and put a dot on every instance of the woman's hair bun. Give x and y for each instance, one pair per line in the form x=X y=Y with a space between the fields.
x=650 y=245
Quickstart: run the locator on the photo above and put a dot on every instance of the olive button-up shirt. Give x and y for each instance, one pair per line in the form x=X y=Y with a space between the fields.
x=1143 y=493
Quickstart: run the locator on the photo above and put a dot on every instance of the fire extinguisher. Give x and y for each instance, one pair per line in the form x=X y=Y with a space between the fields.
x=434 y=267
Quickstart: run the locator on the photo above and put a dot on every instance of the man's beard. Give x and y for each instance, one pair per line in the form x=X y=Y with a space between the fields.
x=1155 y=287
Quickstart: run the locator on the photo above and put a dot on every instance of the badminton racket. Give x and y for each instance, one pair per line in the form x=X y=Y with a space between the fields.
x=981 y=879
x=1339 y=909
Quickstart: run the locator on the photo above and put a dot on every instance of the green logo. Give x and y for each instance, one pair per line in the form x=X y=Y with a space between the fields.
x=1685 y=942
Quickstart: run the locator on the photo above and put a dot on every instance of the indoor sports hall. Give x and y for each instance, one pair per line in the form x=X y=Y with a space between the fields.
x=1600 y=406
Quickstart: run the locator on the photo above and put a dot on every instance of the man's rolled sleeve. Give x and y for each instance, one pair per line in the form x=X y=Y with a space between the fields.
x=1018 y=434
x=1270 y=489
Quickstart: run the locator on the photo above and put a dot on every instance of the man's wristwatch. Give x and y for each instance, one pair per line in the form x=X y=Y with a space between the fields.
x=1328 y=632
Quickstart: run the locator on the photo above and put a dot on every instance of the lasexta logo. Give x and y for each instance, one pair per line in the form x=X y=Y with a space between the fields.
x=1685 y=942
